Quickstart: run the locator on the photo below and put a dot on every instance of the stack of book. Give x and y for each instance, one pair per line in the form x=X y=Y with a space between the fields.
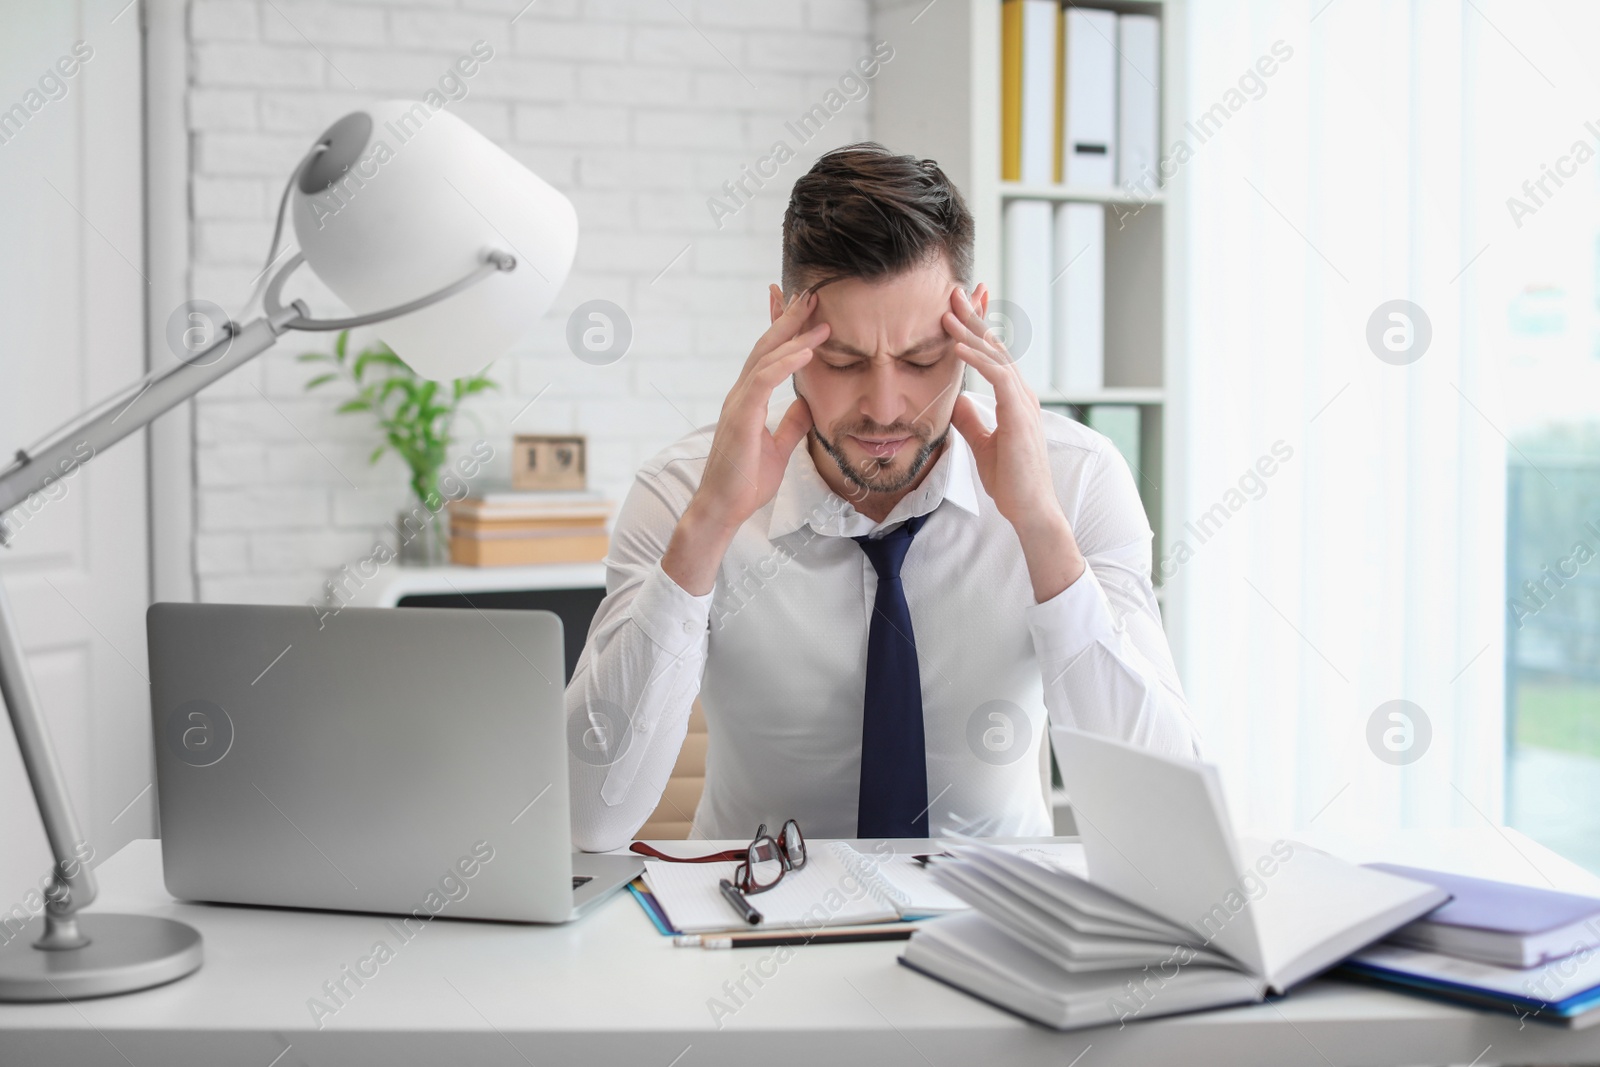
x=1507 y=947
x=505 y=527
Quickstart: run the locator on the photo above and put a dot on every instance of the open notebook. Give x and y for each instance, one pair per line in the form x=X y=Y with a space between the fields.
x=1176 y=914
x=838 y=886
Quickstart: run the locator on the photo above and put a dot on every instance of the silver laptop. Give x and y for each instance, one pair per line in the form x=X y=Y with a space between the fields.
x=399 y=760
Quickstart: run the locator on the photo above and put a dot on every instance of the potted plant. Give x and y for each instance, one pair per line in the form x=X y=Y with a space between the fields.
x=415 y=416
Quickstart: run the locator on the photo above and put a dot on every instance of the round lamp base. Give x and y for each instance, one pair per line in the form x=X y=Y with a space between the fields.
x=124 y=953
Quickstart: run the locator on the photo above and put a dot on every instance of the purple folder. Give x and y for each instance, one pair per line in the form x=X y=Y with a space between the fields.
x=1499 y=922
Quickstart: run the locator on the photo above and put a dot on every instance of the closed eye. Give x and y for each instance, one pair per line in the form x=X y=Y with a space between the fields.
x=855 y=364
x=916 y=356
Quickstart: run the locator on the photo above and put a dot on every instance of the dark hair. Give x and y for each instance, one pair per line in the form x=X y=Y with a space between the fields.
x=863 y=212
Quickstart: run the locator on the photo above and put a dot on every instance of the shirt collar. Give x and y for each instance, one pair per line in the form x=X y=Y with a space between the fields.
x=804 y=499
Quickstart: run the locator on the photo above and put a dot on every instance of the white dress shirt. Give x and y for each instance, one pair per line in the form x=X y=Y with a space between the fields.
x=777 y=651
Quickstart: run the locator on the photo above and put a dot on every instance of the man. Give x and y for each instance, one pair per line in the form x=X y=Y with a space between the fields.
x=879 y=623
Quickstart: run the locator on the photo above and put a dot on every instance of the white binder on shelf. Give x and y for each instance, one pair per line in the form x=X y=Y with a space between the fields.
x=1138 y=102
x=1039 y=99
x=1026 y=284
x=1089 y=138
x=1078 y=297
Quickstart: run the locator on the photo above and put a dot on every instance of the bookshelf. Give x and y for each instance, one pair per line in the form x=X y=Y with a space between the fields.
x=1082 y=193
x=940 y=98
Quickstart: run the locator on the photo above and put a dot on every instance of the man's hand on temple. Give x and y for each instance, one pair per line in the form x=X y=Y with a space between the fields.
x=747 y=460
x=1013 y=460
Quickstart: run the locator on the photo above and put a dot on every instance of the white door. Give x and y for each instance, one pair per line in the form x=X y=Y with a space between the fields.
x=72 y=292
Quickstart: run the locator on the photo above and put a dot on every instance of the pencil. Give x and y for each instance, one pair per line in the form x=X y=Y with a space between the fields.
x=899 y=932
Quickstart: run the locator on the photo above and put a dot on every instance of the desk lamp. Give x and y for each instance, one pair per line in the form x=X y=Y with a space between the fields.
x=418 y=223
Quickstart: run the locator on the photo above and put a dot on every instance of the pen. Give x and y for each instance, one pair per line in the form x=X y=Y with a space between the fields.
x=711 y=941
x=923 y=858
x=731 y=894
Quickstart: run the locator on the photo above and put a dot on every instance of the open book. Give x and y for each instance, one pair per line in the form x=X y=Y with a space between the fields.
x=1176 y=913
x=838 y=886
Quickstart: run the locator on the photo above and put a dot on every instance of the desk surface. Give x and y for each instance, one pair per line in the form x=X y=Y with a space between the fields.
x=609 y=989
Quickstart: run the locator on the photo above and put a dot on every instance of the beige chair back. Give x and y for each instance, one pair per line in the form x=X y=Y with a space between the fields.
x=675 y=814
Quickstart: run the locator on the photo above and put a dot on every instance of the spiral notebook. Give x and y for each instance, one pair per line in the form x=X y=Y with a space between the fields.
x=838 y=886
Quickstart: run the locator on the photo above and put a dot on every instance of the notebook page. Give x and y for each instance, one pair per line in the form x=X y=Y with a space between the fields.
x=898 y=878
x=911 y=888
x=822 y=893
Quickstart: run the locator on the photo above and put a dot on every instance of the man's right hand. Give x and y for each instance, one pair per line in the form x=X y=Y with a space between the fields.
x=747 y=460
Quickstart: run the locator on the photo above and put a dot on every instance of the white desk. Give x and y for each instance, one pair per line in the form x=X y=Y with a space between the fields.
x=610 y=990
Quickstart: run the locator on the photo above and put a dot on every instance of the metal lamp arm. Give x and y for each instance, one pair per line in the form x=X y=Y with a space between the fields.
x=493 y=261
x=73 y=883
x=35 y=472
x=79 y=441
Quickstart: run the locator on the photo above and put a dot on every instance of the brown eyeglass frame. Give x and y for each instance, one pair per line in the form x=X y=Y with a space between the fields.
x=763 y=847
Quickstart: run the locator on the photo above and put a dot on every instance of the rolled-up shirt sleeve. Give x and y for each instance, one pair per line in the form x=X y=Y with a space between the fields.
x=635 y=683
x=1102 y=653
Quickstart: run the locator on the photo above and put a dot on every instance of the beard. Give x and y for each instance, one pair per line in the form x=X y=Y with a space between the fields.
x=872 y=474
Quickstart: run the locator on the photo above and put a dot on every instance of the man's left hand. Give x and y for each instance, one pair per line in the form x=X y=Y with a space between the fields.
x=1013 y=460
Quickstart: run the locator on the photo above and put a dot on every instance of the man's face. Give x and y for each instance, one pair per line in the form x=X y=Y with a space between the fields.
x=882 y=386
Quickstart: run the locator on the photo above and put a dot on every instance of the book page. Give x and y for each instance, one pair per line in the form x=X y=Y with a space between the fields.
x=1313 y=909
x=1156 y=832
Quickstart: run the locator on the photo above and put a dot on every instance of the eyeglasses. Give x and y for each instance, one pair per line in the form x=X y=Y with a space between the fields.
x=762 y=863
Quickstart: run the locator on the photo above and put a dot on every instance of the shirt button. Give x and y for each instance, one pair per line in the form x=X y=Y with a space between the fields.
x=688 y=627
x=642 y=726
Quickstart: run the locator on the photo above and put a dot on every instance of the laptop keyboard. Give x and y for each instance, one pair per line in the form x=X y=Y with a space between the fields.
x=581 y=879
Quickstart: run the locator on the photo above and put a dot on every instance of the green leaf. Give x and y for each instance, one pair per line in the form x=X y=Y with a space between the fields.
x=382 y=358
x=314 y=357
x=390 y=385
x=414 y=415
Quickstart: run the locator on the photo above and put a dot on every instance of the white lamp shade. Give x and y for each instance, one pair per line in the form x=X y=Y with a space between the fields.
x=420 y=204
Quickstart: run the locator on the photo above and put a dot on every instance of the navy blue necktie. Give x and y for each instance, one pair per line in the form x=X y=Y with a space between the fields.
x=893 y=799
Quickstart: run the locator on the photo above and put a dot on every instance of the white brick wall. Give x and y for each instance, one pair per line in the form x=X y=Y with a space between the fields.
x=637 y=109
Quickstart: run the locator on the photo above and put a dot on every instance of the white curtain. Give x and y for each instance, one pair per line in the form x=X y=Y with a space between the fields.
x=1368 y=566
